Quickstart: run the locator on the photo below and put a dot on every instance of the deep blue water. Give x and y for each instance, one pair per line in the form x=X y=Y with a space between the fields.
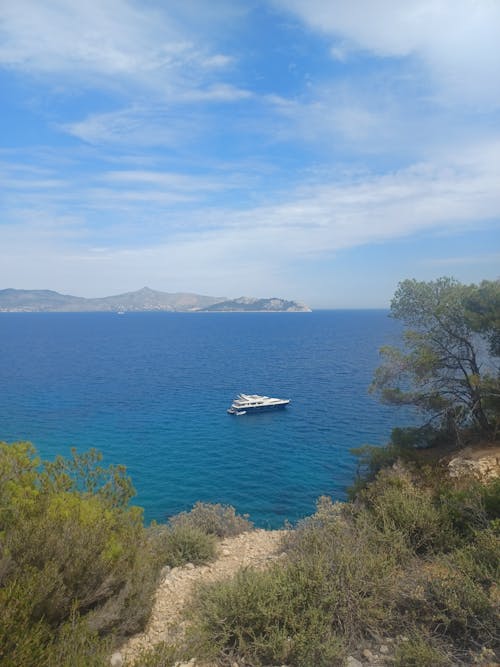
x=151 y=390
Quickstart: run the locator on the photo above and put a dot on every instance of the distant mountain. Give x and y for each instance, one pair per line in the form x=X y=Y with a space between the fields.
x=249 y=304
x=39 y=300
x=145 y=299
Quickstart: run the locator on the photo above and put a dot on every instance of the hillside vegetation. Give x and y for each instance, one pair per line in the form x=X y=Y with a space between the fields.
x=412 y=561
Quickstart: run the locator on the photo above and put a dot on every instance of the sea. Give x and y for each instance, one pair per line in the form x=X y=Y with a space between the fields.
x=151 y=390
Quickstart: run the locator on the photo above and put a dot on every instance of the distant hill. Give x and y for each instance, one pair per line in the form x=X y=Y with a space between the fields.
x=249 y=304
x=145 y=299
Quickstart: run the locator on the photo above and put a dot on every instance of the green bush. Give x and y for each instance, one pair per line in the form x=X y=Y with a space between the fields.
x=161 y=655
x=75 y=645
x=491 y=498
x=183 y=544
x=213 y=519
x=71 y=547
x=453 y=596
x=336 y=585
x=264 y=618
x=418 y=652
x=399 y=505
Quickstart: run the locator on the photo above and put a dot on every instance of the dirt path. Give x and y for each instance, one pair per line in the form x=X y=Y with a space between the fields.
x=256 y=548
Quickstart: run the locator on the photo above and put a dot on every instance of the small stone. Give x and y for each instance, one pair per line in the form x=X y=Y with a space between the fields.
x=368 y=655
x=116 y=660
x=403 y=638
x=189 y=566
x=226 y=552
x=352 y=662
x=384 y=649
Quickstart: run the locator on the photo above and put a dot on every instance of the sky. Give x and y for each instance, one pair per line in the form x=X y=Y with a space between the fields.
x=320 y=151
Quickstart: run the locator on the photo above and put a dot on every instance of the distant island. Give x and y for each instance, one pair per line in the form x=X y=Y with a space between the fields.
x=143 y=300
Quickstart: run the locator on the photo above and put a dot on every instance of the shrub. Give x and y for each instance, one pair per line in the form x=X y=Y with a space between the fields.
x=182 y=544
x=161 y=655
x=491 y=498
x=336 y=584
x=451 y=597
x=36 y=644
x=398 y=505
x=264 y=618
x=418 y=652
x=213 y=519
x=76 y=645
x=70 y=547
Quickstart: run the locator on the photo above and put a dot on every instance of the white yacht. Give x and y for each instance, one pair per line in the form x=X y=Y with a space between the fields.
x=247 y=403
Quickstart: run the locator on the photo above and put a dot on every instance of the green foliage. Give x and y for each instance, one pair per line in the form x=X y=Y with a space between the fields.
x=440 y=369
x=72 y=551
x=75 y=645
x=82 y=473
x=418 y=652
x=336 y=584
x=213 y=519
x=266 y=618
x=399 y=505
x=161 y=655
x=490 y=492
x=451 y=596
x=483 y=312
x=404 y=446
x=181 y=544
x=412 y=554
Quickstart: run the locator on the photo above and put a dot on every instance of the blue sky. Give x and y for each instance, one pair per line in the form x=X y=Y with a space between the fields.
x=320 y=151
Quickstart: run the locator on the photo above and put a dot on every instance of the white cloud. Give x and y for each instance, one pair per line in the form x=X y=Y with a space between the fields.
x=215 y=246
x=145 y=126
x=170 y=180
x=458 y=40
x=324 y=216
x=117 y=42
x=216 y=93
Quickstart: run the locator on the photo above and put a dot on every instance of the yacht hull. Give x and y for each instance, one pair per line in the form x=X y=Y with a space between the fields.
x=252 y=404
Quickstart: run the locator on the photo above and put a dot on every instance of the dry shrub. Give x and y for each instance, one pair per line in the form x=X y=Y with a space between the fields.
x=184 y=543
x=213 y=519
x=419 y=652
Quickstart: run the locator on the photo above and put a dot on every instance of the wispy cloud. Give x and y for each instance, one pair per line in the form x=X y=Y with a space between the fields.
x=135 y=126
x=456 y=41
x=322 y=217
x=118 y=43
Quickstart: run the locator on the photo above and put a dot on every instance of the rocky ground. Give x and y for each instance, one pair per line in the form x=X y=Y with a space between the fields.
x=482 y=463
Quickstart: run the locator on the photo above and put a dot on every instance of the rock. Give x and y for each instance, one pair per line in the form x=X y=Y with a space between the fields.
x=189 y=566
x=116 y=660
x=352 y=662
x=384 y=649
x=226 y=552
x=368 y=655
x=165 y=571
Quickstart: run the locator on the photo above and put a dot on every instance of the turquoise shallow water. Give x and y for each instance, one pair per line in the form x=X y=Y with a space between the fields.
x=151 y=390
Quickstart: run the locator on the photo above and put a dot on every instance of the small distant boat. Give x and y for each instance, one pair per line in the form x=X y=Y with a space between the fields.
x=120 y=312
x=245 y=403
